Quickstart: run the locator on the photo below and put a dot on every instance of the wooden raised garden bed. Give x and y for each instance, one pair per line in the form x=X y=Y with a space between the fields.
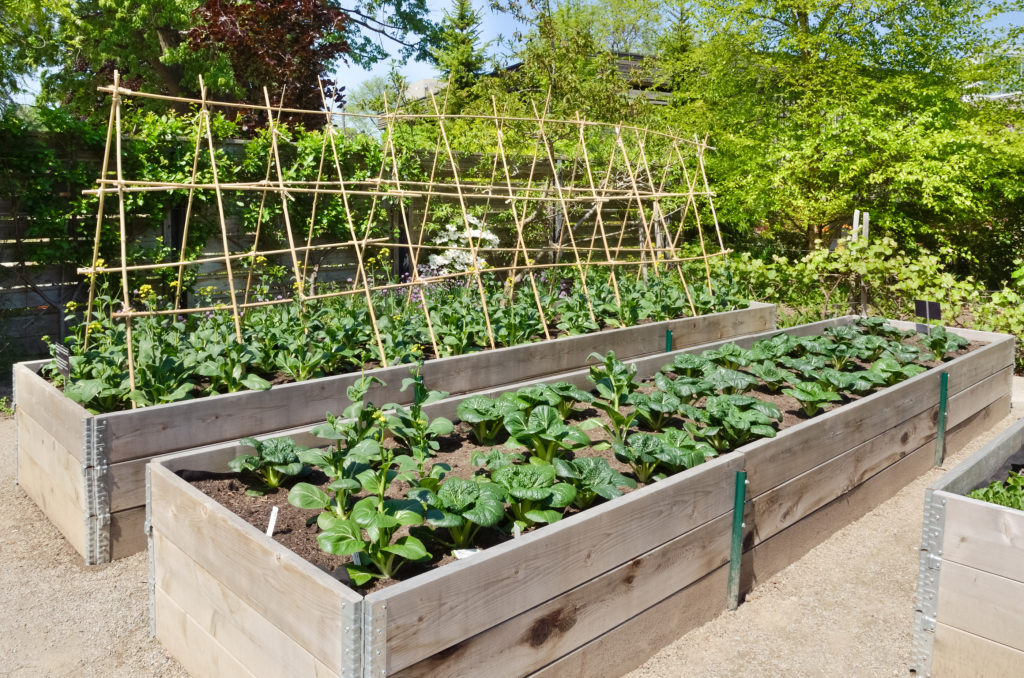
x=86 y=472
x=592 y=595
x=970 y=588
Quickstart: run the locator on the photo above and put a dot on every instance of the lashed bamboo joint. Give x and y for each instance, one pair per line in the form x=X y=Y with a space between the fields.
x=574 y=196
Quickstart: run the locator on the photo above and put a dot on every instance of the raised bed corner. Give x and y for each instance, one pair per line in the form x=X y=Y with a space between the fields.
x=87 y=472
x=970 y=588
x=592 y=595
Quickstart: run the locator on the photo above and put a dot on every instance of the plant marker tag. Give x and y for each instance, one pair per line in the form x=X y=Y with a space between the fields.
x=465 y=553
x=273 y=521
x=63 y=357
x=929 y=310
x=356 y=560
x=516 y=531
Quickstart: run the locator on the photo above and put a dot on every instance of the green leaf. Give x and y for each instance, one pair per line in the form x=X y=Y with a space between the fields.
x=306 y=496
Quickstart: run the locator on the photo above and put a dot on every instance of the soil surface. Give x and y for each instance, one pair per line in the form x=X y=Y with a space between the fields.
x=846 y=608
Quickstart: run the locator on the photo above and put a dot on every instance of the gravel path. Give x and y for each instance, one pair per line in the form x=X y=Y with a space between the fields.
x=844 y=609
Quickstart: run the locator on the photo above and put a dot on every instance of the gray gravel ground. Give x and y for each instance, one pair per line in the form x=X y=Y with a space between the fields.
x=845 y=609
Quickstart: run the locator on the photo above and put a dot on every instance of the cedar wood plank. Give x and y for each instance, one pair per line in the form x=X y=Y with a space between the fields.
x=239 y=630
x=783 y=548
x=544 y=633
x=127 y=532
x=981 y=603
x=47 y=405
x=198 y=652
x=781 y=506
x=440 y=608
x=52 y=478
x=296 y=596
x=630 y=644
x=984 y=536
x=958 y=654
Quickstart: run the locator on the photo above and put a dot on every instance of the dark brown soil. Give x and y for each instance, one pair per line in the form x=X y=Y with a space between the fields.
x=296 y=528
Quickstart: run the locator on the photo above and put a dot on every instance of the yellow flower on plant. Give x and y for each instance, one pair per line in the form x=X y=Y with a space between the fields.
x=70 y=306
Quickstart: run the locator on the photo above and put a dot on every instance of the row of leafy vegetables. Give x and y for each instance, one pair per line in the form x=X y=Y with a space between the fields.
x=178 y=357
x=541 y=471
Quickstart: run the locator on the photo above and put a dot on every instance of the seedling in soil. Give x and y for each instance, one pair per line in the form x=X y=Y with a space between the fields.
x=544 y=433
x=273 y=462
x=655 y=409
x=812 y=396
x=592 y=477
x=462 y=507
x=369 y=531
x=533 y=494
x=940 y=342
x=486 y=416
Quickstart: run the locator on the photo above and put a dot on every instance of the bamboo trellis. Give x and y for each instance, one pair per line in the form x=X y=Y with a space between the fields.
x=620 y=198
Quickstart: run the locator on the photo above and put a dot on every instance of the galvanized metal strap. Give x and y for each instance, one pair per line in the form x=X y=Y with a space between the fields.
x=95 y=467
x=375 y=620
x=928 y=571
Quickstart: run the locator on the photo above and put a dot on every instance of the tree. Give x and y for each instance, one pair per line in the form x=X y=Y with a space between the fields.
x=237 y=45
x=286 y=46
x=817 y=110
x=27 y=29
x=459 y=55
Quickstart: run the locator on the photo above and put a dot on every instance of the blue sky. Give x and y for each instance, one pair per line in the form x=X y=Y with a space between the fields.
x=493 y=26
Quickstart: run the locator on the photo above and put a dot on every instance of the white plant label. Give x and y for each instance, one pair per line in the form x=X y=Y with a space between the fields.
x=273 y=521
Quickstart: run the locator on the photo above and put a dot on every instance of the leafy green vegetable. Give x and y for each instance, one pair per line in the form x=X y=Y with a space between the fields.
x=411 y=426
x=654 y=409
x=772 y=375
x=274 y=461
x=733 y=420
x=641 y=451
x=772 y=348
x=940 y=342
x=812 y=396
x=544 y=433
x=463 y=507
x=592 y=477
x=891 y=371
x=729 y=356
x=369 y=531
x=682 y=451
x=727 y=381
x=533 y=493
x=1005 y=493
x=686 y=389
x=687 y=365
x=486 y=416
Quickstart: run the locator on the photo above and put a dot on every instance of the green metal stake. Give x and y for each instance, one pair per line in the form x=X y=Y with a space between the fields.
x=940 y=438
x=736 y=553
x=668 y=341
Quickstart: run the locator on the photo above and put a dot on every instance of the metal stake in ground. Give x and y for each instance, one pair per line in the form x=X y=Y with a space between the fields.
x=736 y=552
x=940 y=436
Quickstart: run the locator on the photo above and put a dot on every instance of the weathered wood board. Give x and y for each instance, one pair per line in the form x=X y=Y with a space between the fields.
x=970 y=593
x=111 y=450
x=632 y=574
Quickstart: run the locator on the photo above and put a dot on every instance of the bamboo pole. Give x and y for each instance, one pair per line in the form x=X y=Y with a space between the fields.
x=520 y=240
x=357 y=246
x=465 y=219
x=99 y=221
x=599 y=219
x=188 y=212
x=567 y=226
x=414 y=273
x=124 y=238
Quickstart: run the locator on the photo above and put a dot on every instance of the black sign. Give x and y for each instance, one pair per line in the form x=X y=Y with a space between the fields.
x=63 y=358
x=929 y=310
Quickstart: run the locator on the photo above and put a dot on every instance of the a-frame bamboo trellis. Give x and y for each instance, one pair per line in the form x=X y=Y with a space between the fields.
x=622 y=198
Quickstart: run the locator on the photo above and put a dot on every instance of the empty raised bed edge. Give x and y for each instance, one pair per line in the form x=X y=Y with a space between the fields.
x=970 y=587
x=633 y=574
x=86 y=471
